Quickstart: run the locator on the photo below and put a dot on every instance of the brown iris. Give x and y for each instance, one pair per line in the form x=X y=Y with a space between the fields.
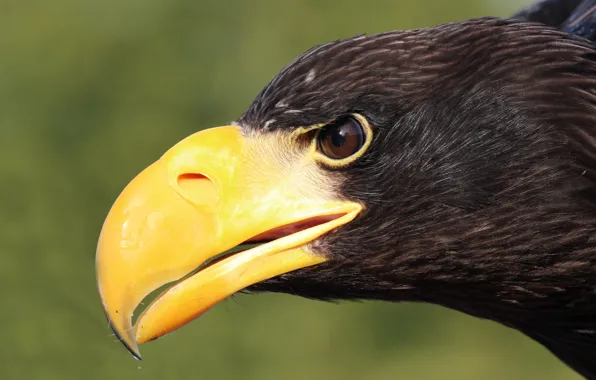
x=341 y=139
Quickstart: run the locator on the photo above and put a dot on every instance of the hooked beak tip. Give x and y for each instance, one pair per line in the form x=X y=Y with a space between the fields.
x=132 y=348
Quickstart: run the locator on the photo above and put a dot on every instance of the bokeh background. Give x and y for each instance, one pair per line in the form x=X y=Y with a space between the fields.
x=91 y=92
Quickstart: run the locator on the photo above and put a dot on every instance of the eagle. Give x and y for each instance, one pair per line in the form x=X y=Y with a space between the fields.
x=454 y=165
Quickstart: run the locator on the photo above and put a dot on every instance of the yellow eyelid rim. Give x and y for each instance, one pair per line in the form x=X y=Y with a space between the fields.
x=368 y=134
x=314 y=153
x=298 y=132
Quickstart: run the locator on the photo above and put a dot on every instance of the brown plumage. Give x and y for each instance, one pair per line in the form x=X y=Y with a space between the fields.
x=479 y=185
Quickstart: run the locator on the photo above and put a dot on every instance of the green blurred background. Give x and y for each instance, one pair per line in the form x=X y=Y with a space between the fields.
x=91 y=92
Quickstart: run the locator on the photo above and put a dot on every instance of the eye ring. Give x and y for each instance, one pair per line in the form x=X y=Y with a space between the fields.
x=343 y=141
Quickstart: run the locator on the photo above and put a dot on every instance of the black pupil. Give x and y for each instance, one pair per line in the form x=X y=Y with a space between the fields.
x=337 y=138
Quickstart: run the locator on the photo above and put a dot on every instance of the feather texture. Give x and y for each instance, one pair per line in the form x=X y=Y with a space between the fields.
x=480 y=183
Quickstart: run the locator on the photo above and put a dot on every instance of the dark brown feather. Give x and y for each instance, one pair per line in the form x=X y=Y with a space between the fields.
x=548 y=12
x=480 y=183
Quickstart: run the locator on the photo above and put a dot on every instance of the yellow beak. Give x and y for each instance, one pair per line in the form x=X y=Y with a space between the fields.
x=209 y=193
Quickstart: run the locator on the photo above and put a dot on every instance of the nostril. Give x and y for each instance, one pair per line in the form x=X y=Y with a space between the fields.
x=191 y=176
x=197 y=188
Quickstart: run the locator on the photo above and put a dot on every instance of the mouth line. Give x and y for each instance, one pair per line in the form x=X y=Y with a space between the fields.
x=292 y=228
x=252 y=243
x=263 y=256
x=267 y=237
x=264 y=238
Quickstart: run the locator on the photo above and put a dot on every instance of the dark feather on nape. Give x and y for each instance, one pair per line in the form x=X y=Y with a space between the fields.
x=576 y=17
x=548 y=12
x=582 y=21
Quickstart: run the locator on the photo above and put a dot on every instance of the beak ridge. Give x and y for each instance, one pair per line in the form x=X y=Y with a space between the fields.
x=158 y=224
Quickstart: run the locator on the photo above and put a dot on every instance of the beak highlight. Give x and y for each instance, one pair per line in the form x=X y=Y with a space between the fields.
x=206 y=195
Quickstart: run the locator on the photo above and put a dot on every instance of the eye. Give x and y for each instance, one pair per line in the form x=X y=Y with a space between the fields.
x=341 y=139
